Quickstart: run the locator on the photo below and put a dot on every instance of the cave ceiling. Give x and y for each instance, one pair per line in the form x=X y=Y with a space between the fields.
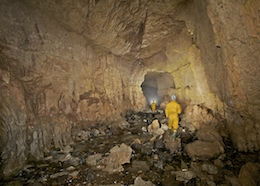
x=129 y=29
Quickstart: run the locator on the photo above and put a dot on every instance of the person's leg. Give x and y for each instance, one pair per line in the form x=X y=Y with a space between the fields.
x=175 y=127
x=170 y=124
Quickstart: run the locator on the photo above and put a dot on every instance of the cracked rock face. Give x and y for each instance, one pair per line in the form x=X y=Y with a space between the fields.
x=12 y=125
x=88 y=59
x=125 y=28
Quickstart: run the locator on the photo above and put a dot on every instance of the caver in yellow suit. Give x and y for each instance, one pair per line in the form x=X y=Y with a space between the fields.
x=153 y=106
x=172 y=111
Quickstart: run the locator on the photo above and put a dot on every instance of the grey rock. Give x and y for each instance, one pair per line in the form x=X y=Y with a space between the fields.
x=67 y=149
x=93 y=159
x=74 y=161
x=209 y=168
x=147 y=148
x=166 y=157
x=82 y=135
x=95 y=132
x=158 y=144
x=184 y=176
x=159 y=164
x=58 y=174
x=138 y=165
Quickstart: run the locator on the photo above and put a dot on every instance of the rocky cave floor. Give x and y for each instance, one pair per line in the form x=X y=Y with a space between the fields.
x=149 y=163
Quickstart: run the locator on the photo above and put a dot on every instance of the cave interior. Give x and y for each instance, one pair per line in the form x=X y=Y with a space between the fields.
x=68 y=67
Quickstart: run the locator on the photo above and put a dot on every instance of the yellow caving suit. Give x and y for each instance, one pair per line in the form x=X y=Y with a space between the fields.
x=153 y=106
x=172 y=110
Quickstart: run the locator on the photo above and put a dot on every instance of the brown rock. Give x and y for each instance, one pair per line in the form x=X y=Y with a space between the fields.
x=203 y=150
x=249 y=174
x=118 y=156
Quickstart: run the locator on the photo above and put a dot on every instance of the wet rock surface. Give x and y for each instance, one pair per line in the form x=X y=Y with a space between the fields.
x=134 y=156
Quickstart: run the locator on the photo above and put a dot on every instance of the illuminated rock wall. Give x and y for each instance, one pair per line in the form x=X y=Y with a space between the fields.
x=237 y=32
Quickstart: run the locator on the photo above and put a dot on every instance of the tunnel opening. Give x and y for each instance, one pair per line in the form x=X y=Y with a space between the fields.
x=156 y=86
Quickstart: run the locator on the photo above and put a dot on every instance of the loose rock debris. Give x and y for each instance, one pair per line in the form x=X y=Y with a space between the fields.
x=142 y=152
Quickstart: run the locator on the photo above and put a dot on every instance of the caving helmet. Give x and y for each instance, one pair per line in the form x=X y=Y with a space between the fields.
x=173 y=97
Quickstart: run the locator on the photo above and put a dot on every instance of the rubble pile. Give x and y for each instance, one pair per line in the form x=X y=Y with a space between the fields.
x=142 y=152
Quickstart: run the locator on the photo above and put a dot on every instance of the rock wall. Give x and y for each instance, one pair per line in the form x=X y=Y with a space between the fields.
x=216 y=64
x=62 y=67
x=236 y=32
x=13 y=128
x=60 y=83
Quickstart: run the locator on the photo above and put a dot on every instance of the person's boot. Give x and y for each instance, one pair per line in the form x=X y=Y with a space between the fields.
x=174 y=135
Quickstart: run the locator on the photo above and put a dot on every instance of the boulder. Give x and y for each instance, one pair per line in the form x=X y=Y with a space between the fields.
x=158 y=144
x=210 y=168
x=139 y=166
x=158 y=132
x=118 y=156
x=164 y=127
x=172 y=145
x=93 y=159
x=249 y=174
x=203 y=150
x=233 y=180
x=209 y=134
x=184 y=176
x=140 y=182
x=147 y=148
x=196 y=116
x=153 y=126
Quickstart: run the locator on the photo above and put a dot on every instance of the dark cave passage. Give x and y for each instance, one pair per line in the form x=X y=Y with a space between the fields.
x=156 y=85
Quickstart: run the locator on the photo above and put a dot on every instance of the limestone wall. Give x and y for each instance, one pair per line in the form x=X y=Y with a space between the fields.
x=236 y=32
x=60 y=82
